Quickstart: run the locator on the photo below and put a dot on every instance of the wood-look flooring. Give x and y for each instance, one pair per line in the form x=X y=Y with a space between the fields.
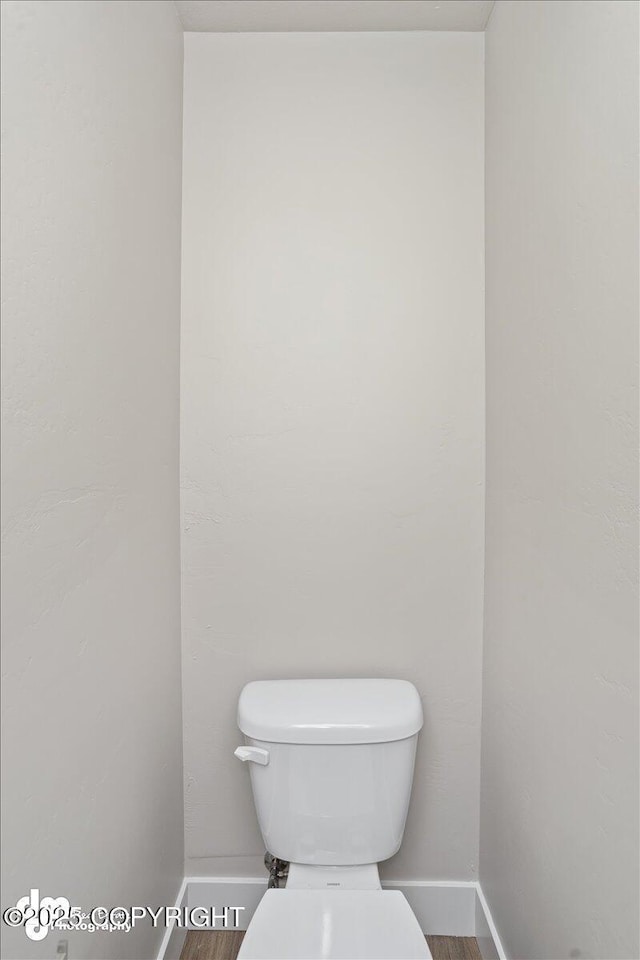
x=225 y=944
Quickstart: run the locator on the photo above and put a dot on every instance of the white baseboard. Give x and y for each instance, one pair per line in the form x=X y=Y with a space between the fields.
x=175 y=935
x=443 y=908
x=487 y=935
x=221 y=892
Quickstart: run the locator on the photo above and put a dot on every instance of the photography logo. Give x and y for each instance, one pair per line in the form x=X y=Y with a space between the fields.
x=36 y=915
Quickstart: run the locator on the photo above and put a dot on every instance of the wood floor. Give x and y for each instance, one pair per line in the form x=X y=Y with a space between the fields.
x=224 y=945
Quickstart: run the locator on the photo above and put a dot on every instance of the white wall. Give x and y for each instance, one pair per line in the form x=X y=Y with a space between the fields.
x=91 y=667
x=332 y=405
x=559 y=829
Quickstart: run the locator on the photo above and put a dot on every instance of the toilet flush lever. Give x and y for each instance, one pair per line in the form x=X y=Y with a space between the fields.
x=255 y=754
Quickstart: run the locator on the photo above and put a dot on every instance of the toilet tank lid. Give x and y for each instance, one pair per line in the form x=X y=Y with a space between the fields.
x=329 y=711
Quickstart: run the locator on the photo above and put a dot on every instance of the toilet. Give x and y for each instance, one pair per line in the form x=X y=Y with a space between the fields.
x=331 y=766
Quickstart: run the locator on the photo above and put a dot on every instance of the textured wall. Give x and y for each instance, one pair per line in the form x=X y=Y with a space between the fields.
x=559 y=825
x=92 y=773
x=332 y=405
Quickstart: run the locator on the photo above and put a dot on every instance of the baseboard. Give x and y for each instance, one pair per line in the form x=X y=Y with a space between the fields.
x=175 y=935
x=443 y=908
x=487 y=935
x=226 y=892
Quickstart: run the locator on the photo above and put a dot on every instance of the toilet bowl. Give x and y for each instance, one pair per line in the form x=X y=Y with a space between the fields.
x=331 y=767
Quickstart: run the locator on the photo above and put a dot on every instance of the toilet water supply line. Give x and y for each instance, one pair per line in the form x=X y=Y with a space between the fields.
x=278 y=869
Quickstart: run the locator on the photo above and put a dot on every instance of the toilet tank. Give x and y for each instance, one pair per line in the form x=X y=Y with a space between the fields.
x=333 y=769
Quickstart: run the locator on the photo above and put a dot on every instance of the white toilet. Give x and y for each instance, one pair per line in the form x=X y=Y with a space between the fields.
x=331 y=765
